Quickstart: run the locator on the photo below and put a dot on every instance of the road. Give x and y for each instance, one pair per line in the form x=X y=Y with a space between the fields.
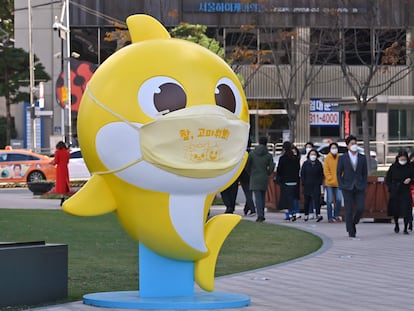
x=23 y=198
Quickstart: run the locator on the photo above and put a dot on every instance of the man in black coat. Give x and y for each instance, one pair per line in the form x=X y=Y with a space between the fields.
x=352 y=176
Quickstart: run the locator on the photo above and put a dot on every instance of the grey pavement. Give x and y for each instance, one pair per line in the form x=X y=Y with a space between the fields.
x=374 y=271
x=23 y=198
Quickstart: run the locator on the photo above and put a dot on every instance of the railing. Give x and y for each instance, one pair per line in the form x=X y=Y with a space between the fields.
x=386 y=150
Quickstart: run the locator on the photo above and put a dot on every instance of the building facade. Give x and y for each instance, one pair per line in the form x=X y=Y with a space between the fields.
x=290 y=53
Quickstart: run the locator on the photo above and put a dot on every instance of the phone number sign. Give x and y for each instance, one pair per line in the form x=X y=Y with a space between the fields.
x=322 y=114
x=324 y=118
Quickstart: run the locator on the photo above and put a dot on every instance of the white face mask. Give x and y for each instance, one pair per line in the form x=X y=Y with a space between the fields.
x=307 y=150
x=185 y=144
x=312 y=157
x=334 y=150
x=354 y=148
x=402 y=162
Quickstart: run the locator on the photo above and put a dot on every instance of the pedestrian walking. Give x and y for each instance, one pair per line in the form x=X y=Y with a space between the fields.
x=330 y=165
x=296 y=201
x=229 y=196
x=398 y=180
x=311 y=175
x=287 y=176
x=260 y=166
x=352 y=174
x=308 y=147
x=61 y=160
x=249 y=208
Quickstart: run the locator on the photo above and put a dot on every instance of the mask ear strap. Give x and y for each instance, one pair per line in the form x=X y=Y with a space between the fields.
x=109 y=110
x=121 y=118
x=117 y=170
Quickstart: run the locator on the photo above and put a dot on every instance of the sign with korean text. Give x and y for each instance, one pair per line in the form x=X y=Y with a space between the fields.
x=268 y=6
x=323 y=114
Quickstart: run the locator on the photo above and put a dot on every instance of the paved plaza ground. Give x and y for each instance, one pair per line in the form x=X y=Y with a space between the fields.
x=374 y=271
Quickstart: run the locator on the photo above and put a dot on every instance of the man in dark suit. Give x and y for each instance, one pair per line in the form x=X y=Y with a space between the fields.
x=352 y=176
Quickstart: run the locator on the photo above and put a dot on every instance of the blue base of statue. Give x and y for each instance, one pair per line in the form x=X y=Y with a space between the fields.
x=164 y=277
x=166 y=284
x=200 y=300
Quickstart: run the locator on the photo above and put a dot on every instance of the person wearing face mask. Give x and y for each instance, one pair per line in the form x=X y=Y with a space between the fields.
x=296 y=204
x=312 y=177
x=352 y=174
x=398 y=180
x=331 y=183
x=287 y=176
x=308 y=147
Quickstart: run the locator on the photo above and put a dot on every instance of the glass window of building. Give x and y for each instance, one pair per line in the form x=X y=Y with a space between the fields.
x=360 y=46
x=248 y=45
x=91 y=45
x=357 y=47
x=275 y=45
x=400 y=124
x=240 y=44
x=324 y=46
x=268 y=118
x=371 y=124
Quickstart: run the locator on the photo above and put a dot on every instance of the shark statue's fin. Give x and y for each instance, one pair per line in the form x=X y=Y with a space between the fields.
x=216 y=231
x=94 y=198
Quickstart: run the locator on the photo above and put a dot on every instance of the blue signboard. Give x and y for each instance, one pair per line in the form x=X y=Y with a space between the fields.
x=322 y=114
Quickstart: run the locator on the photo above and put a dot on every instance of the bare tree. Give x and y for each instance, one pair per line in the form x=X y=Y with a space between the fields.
x=384 y=55
x=293 y=55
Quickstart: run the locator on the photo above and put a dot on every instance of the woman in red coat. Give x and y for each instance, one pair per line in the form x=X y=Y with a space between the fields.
x=61 y=161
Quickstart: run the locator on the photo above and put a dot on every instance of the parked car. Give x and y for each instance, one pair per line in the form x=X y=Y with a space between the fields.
x=77 y=166
x=20 y=165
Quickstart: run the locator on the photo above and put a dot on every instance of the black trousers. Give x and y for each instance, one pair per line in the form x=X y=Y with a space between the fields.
x=312 y=200
x=287 y=197
x=229 y=195
x=354 y=203
x=249 y=206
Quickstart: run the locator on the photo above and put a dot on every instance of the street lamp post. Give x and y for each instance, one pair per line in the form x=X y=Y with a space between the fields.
x=64 y=34
x=31 y=79
x=68 y=54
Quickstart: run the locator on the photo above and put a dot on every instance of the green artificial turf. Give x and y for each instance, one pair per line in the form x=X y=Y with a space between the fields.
x=102 y=257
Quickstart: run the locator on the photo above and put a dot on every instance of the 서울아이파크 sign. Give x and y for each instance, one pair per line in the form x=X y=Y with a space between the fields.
x=269 y=6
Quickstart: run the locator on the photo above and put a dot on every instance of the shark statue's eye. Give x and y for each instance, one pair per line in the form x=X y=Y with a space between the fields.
x=228 y=96
x=161 y=95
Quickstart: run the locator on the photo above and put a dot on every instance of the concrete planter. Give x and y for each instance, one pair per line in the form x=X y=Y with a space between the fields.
x=40 y=187
x=32 y=273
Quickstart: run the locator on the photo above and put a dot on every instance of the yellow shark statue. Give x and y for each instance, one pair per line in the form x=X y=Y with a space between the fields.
x=163 y=126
